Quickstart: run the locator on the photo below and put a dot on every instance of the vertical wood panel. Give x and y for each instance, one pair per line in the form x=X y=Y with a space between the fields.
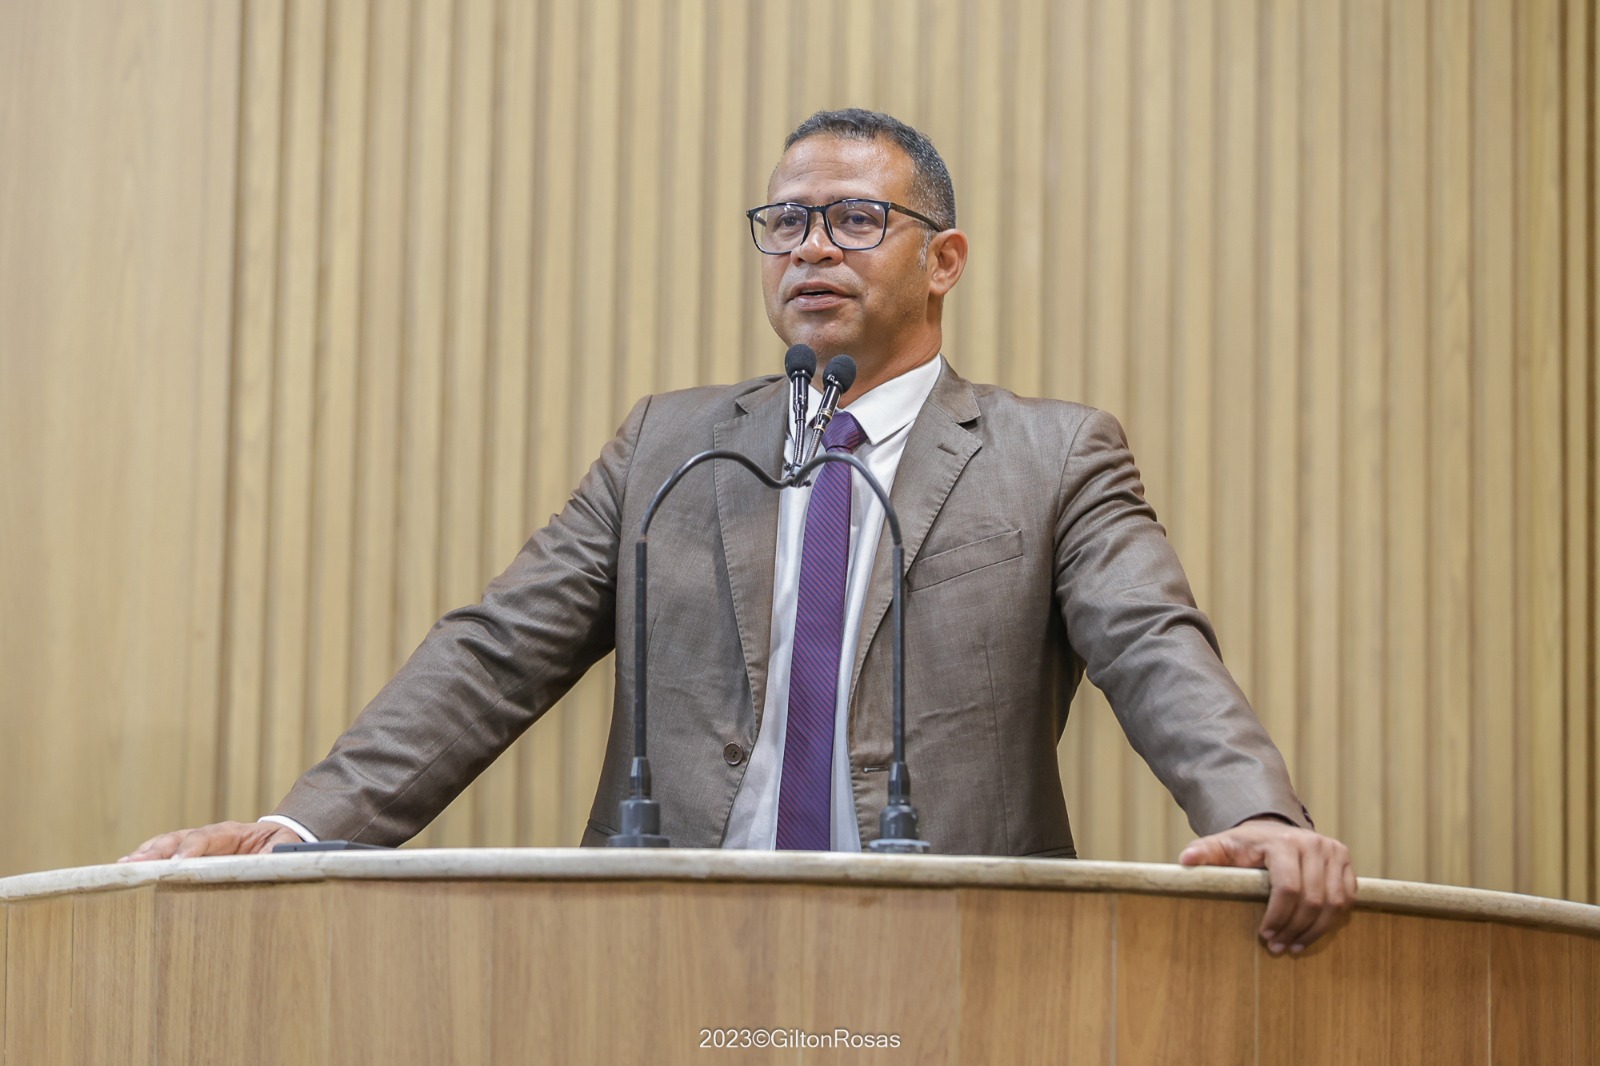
x=881 y=991
x=425 y=310
x=1234 y=416
x=984 y=205
x=1438 y=975
x=249 y=479
x=697 y=973
x=113 y=960
x=727 y=239
x=1302 y=1022
x=426 y=1007
x=5 y=967
x=690 y=223
x=1406 y=412
x=39 y=1012
x=1322 y=347
x=206 y=1010
x=1363 y=638
x=1020 y=341
x=1591 y=106
x=1578 y=184
x=1530 y=996
x=1278 y=617
x=1332 y=265
x=1540 y=577
x=1202 y=1008
x=208 y=537
x=290 y=481
x=993 y=926
x=329 y=643
x=1493 y=492
x=1452 y=844
x=643 y=181
x=1585 y=998
x=373 y=641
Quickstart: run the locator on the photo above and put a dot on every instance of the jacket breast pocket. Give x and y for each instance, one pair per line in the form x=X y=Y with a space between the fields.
x=954 y=562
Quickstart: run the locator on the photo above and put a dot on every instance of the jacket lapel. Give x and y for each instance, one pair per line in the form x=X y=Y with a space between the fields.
x=747 y=514
x=937 y=450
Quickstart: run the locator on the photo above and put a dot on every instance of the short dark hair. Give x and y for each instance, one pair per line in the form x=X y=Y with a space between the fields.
x=931 y=188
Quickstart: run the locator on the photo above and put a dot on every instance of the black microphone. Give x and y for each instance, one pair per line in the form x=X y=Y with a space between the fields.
x=799 y=366
x=640 y=815
x=837 y=378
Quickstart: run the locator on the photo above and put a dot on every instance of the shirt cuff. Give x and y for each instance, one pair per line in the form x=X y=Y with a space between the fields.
x=289 y=823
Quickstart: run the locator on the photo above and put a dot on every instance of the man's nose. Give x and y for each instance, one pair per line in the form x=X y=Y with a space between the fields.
x=818 y=247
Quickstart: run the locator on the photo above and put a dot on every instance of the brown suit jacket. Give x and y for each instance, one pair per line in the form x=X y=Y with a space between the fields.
x=1032 y=557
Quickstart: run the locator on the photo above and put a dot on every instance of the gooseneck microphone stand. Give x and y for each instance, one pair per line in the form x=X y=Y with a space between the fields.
x=640 y=814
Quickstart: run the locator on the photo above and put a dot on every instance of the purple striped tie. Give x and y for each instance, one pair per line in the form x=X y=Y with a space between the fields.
x=806 y=786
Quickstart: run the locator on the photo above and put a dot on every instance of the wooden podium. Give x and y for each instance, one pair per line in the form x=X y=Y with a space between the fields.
x=597 y=956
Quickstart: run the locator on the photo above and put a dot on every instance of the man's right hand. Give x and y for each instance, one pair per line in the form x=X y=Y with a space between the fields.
x=220 y=838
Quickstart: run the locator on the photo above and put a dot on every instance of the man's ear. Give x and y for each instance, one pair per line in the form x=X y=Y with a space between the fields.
x=947 y=258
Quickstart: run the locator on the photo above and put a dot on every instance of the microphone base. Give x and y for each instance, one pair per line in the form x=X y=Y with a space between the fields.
x=641 y=822
x=900 y=846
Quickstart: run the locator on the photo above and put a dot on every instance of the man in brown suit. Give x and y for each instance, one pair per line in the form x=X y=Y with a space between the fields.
x=1032 y=558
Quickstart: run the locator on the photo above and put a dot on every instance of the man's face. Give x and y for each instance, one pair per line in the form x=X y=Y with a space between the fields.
x=872 y=305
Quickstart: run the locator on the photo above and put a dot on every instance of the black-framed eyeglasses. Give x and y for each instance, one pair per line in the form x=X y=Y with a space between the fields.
x=853 y=225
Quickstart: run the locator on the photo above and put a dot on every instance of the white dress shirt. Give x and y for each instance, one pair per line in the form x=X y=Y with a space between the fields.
x=885 y=415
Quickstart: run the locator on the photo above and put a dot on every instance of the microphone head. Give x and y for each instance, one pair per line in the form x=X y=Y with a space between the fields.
x=841 y=371
x=800 y=360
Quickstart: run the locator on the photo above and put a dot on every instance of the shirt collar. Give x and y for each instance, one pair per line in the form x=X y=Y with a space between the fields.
x=892 y=406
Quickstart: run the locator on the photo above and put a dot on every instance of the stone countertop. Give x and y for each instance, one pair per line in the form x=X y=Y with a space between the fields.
x=926 y=871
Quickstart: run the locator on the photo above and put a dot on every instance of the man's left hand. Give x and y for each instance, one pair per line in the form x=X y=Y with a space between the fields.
x=1313 y=883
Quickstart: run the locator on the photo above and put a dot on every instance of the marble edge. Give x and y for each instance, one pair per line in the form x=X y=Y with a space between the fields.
x=567 y=864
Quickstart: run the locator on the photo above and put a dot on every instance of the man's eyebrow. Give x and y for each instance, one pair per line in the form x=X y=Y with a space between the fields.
x=829 y=200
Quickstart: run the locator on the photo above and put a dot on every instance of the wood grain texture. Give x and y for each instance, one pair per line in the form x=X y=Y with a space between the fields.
x=113 y=968
x=5 y=967
x=1437 y=987
x=410 y=963
x=1581 y=365
x=1386 y=988
x=625 y=969
x=1320 y=344
x=39 y=988
x=1585 y=960
x=1061 y=947
x=310 y=313
x=636 y=957
x=909 y=986
x=115 y=198
x=1403 y=596
x=1531 y=994
x=1493 y=450
x=1185 y=980
x=1448 y=416
x=242 y=975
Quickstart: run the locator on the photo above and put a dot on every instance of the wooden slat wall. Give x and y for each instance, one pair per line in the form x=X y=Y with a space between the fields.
x=310 y=311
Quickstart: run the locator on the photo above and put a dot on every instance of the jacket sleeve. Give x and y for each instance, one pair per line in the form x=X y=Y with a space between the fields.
x=483 y=674
x=1131 y=617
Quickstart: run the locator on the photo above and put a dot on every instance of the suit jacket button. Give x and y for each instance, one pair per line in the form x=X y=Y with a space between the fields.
x=733 y=754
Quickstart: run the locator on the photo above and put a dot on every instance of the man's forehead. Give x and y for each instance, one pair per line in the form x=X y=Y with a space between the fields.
x=841 y=166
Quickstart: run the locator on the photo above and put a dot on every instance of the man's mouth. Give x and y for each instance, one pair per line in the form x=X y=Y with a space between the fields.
x=817 y=297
